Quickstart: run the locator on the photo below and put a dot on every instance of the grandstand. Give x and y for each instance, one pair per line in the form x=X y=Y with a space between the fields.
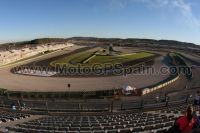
x=97 y=116
x=16 y=54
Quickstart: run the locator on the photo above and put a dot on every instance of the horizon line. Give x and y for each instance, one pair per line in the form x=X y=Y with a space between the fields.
x=26 y=40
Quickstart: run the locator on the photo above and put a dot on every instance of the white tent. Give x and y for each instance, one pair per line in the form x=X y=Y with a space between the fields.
x=127 y=90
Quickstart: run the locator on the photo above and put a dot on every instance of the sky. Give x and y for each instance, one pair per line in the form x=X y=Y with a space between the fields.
x=154 y=19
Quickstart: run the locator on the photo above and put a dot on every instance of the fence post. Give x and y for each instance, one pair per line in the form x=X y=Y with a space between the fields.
x=122 y=105
x=142 y=103
x=111 y=107
x=46 y=104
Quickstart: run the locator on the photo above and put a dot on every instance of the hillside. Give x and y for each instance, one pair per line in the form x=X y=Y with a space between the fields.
x=135 y=41
x=115 y=41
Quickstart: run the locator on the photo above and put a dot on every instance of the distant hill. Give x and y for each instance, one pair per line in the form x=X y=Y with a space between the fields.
x=114 y=41
x=47 y=40
x=135 y=41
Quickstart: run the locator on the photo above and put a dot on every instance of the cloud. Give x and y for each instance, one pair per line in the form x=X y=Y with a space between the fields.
x=186 y=11
x=183 y=6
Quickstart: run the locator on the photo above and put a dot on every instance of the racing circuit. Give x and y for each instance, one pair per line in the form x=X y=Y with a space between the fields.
x=18 y=82
x=179 y=93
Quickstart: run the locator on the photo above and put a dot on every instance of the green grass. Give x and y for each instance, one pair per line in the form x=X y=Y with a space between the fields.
x=119 y=59
x=73 y=59
x=79 y=58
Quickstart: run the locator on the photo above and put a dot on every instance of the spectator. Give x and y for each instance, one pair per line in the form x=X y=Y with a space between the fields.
x=186 y=123
x=197 y=98
x=188 y=98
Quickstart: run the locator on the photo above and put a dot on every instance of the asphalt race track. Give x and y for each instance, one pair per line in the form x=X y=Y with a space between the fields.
x=17 y=82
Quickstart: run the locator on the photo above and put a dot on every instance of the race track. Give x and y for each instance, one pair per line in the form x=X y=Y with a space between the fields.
x=17 y=82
